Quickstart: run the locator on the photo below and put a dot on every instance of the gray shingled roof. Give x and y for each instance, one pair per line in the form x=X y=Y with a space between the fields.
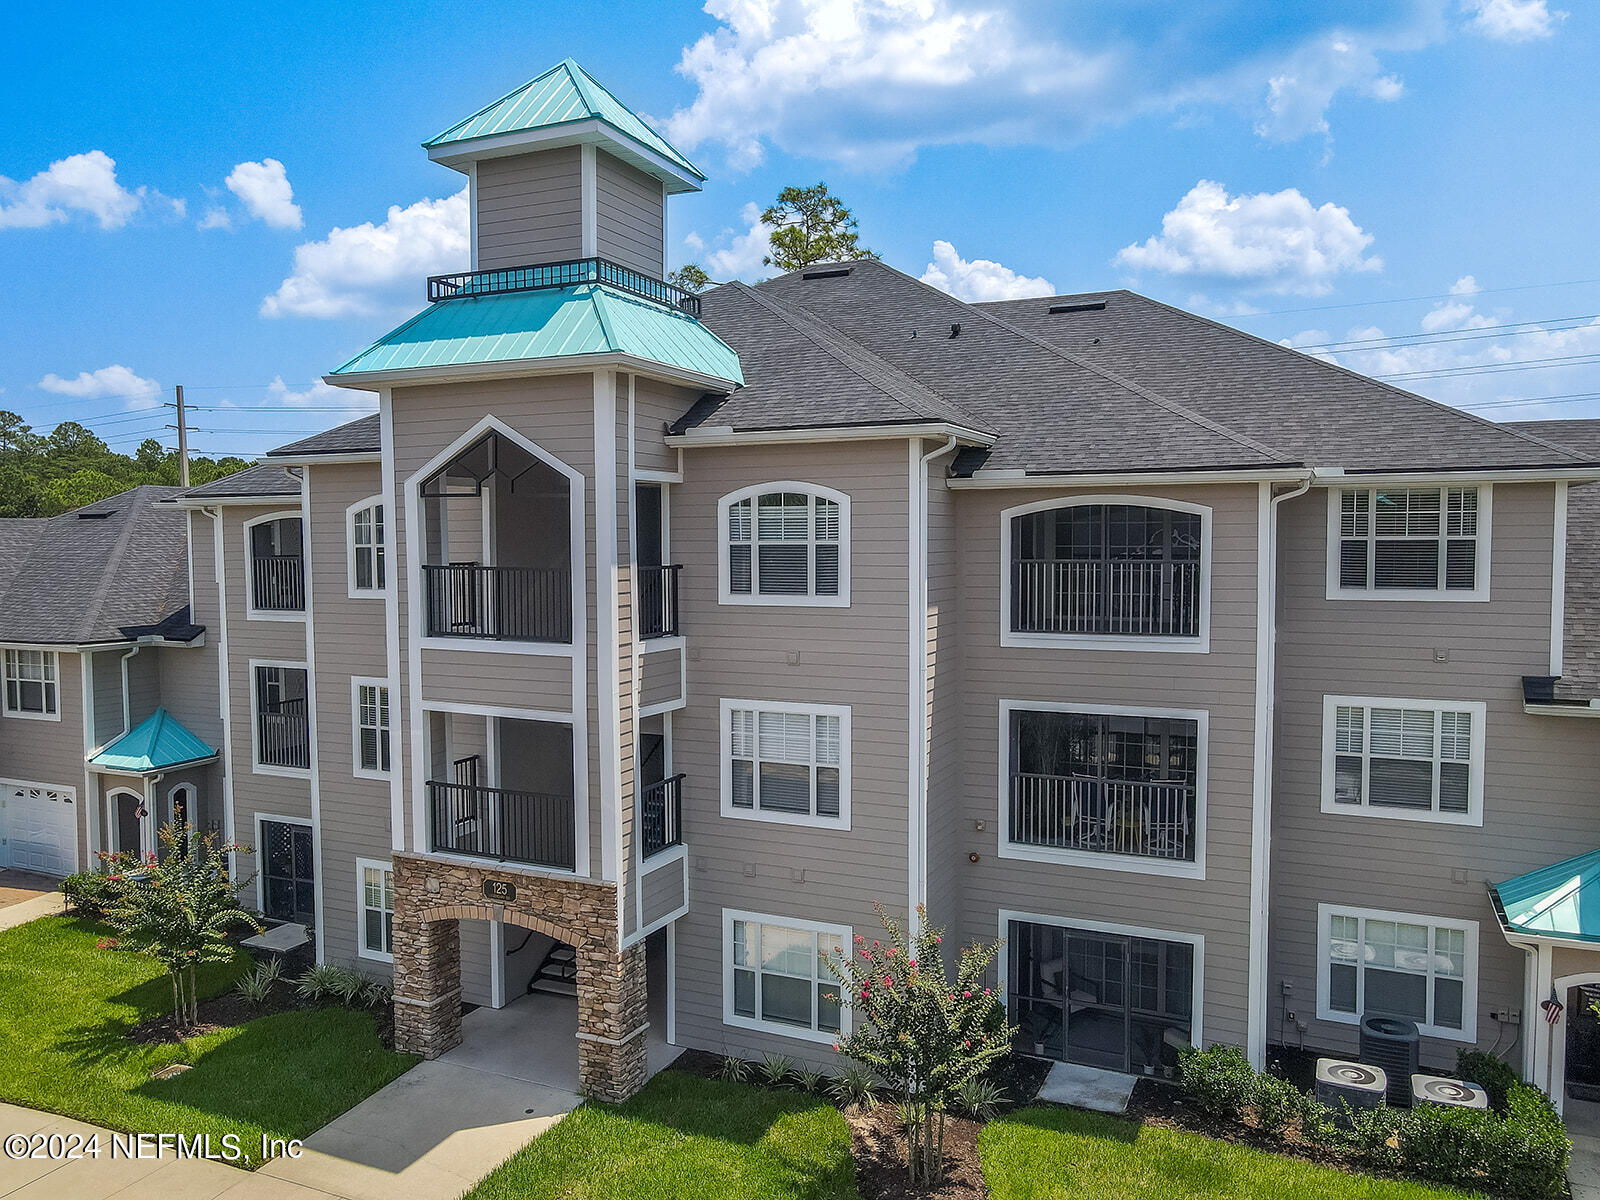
x=110 y=571
x=361 y=436
x=1580 y=679
x=268 y=480
x=1131 y=386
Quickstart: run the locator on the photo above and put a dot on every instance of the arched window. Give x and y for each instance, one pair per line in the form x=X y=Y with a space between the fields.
x=785 y=543
x=369 y=570
x=1108 y=568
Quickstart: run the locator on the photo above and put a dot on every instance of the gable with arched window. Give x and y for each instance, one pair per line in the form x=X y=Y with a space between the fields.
x=785 y=543
x=1110 y=572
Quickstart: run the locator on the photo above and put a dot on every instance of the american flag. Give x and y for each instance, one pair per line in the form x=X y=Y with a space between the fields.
x=1552 y=1009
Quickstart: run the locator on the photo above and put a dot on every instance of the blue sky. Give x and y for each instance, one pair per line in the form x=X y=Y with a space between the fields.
x=234 y=198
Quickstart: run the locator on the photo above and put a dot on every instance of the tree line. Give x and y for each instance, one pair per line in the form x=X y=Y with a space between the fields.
x=42 y=474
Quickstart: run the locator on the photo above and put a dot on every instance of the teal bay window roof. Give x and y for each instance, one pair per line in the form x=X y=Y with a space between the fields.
x=571 y=324
x=158 y=743
x=1559 y=901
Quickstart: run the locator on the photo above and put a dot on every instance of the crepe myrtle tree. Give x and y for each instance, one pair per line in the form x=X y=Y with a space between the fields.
x=924 y=1033
x=178 y=907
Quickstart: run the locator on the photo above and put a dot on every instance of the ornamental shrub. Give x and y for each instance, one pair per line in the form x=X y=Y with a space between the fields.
x=1277 y=1103
x=1219 y=1080
x=922 y=1032
x=1490 y=1072
x=1530 y=1159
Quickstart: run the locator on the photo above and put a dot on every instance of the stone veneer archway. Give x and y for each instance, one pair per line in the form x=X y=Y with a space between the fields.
x=431 y=895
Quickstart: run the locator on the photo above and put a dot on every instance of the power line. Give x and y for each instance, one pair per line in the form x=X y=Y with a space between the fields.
x=1525 y=287
x=1474 y=334
x=1587 y=359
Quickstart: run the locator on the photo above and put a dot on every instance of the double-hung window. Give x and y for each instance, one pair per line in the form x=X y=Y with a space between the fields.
x=368 y=570
x=372 y=727
x=1416 y=759
x=31 y=684
x=786 y=762
x=1401 y=965
x=375 y=883
x=1419 y=542
x=775 y=977
x=785 y=543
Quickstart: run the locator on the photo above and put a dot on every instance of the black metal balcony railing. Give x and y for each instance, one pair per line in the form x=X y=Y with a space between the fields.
x=283 y=735
x=658 y=601
x=278 y=582
x=505 y=825
x=508 y=604
x=1109 y=816
x=1135 y=598
x=661 y=816
x=565 y=274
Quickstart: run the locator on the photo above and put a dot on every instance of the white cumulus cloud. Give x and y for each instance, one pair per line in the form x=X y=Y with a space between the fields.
x=79 y=183
x=113 y=382
x=358 y=270
x=264 y=189
x=737 y=253
x=349 y=404
x=871 y=82
x=980 y=279
x=1514 y=20
x=1269 y=241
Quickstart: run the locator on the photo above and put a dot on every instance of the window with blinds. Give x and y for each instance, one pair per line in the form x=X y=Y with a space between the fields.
x=784 y=546
x=786 y=763
x=1409 y=966
x=372 y=727
x=1410 y=540
x=1404 y=758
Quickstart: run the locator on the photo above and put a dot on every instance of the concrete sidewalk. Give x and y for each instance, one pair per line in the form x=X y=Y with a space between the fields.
x=46 y=904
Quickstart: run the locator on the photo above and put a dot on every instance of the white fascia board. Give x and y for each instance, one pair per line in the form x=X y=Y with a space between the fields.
x=591 y=132
x=320 y=460
x=1344 y=477
x=263 y=500
x=723 y=435
x=1020 y=479
x=574 y=364
x=1592 y=709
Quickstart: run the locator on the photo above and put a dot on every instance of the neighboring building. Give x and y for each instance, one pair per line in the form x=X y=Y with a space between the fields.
x=643 y=641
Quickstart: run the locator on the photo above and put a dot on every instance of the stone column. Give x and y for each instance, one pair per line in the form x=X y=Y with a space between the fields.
x=427 y=985
x=613 y=1020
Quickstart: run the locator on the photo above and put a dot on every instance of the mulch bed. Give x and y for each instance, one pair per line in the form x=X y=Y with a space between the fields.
x=231 y=1009
x=879 y=1145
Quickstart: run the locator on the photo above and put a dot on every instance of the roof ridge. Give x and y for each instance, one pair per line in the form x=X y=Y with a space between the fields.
x=806 y=322
x=1344 y=370
x=1156 y=398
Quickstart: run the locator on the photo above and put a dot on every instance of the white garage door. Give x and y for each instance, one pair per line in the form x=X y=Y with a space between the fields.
x=38 y=827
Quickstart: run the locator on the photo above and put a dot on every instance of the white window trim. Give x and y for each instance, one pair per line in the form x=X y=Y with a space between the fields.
x=1469 y=974
x=815 y=490
x=371 y=593
x=52 y=662
x=1479 y=594
x=1135 y=864
x=362 y=865
x=258 y=851
x=357 y=682
x=1475 y=768
x=1093 y=641
x=725 y=725
x=257 y=767
x=846 y=941
x=1198 y=941
x=251 y=612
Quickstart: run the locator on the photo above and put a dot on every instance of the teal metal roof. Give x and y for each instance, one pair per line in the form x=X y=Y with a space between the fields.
x=156 y=744
x=563 y=94
x=551 y=323
x=1561 y=901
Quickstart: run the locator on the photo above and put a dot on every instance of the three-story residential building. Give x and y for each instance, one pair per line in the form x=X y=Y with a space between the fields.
x=644 y=641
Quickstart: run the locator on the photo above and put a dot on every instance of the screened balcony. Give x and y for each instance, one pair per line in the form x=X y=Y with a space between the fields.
x=1106 y=569
x=501 y=789
x=277 y=567
x=497 y=530
x=283 y=730
x=1104 y=784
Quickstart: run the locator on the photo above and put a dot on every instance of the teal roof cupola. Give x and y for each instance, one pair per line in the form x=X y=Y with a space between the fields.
x=565 y=106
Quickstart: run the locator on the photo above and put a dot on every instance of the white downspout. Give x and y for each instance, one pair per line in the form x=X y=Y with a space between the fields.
x=1261 y=805
x=917 y=563
x=127 y=699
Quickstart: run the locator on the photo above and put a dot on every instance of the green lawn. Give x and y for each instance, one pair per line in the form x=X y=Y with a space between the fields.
x=64 y=1005
x=684 y=1137
x=1067 y=1154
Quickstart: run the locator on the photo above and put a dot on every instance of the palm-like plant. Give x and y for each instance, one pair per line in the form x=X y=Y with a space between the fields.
x=179 y=908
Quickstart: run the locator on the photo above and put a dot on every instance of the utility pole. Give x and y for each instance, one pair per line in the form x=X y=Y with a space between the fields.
x=183 y=441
